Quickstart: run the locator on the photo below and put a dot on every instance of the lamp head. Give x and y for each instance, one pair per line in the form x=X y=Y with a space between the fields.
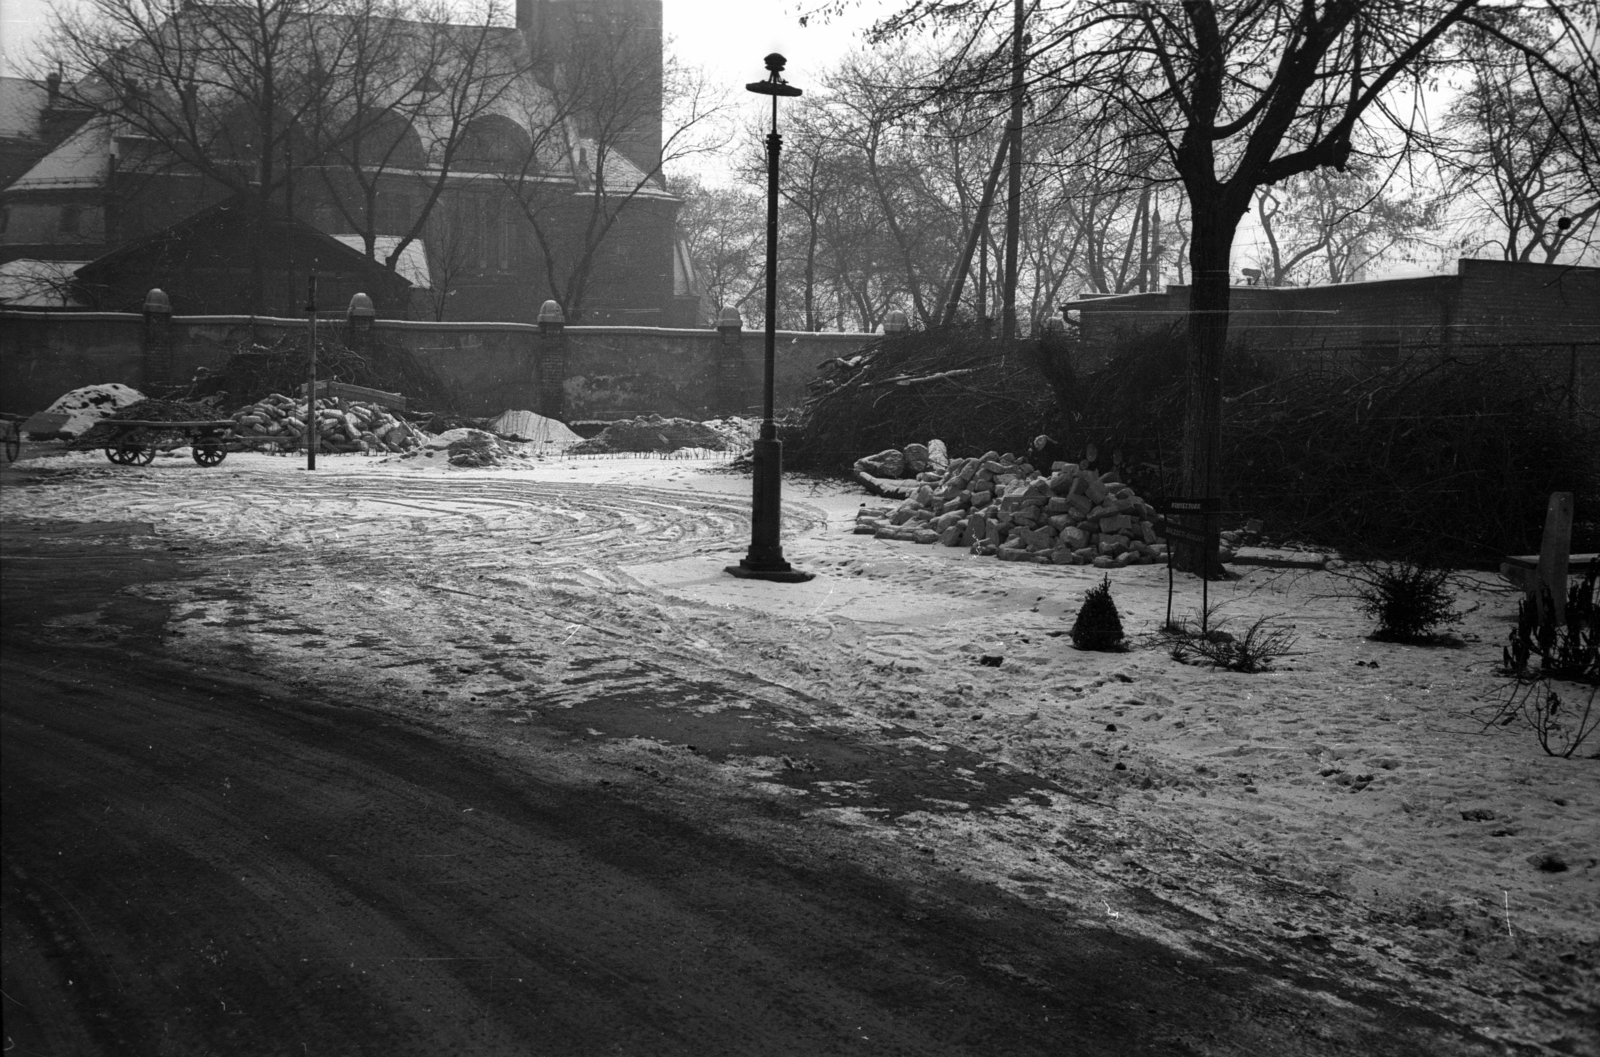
x=774 y=84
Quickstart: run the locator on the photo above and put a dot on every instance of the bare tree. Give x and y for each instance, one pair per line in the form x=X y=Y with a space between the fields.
x=1345 y=221
x=1238 y=97
x=258 y=99
x=723 y=229
x=1517 y=149
x=213 y=91
x=396 y=119
x=598 y=104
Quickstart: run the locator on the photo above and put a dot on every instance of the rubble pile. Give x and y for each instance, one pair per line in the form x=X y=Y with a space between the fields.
x=1000 y=505
x=342 y=425
x=470 y=448
x=653 y=433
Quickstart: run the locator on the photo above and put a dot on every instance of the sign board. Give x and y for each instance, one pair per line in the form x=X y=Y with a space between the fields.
x=1188 y=505
x=1177 y=532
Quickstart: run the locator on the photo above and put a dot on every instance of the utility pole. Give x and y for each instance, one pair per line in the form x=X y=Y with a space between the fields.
x=1008 y=311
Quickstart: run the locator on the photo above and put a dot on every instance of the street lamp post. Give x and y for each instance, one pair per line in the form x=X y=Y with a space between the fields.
x=765 y=561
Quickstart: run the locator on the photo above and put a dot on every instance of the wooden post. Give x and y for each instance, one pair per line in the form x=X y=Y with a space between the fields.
x=311 y=388
x=1553 y=554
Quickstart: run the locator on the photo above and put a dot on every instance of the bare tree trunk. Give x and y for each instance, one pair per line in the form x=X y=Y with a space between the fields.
x=1209 y=249
x=811 y=276
x=979 y=224
x=1008 y=311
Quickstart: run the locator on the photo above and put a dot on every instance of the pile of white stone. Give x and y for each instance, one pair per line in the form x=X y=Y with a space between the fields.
x=1000 y=505
x=342 y=425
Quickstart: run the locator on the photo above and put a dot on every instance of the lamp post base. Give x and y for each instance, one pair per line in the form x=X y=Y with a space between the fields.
x=764 y=560
x=780 y=571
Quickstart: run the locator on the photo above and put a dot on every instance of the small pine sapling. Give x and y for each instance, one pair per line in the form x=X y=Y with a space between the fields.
x=1411 y=601
x=1098 y=627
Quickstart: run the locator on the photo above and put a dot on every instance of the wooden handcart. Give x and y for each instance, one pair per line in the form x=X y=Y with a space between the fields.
x=137 y=440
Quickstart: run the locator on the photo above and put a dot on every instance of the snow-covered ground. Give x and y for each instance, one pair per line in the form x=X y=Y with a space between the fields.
x=1349 y=798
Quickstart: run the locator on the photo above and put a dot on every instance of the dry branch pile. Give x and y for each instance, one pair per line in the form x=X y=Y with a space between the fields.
x=256 y=372
x=342 y=425
x=950 y=383
x=103 y=435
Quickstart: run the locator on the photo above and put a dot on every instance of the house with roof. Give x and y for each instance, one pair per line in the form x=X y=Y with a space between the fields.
x=544 y=185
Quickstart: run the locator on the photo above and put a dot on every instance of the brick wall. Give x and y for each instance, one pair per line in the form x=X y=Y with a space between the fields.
x=1551 y=313
x=1485 y=301
x=609 y=372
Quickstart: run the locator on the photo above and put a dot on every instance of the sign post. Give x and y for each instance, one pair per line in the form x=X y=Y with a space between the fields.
x=1205 y=538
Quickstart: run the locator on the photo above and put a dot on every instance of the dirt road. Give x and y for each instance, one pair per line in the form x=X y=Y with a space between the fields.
x=232 y=852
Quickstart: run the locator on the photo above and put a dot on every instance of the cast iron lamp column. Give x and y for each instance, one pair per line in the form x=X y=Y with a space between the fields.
x=764 y=561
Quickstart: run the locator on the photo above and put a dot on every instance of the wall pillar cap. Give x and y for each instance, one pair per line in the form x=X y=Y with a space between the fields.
x=729 y=319
x=896 y=322
x=550 y=312
x=157 y=303
x=361 y=310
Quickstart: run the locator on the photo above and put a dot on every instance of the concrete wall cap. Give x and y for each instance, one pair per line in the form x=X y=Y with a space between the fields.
x=550 y=312
x=896 y=322
x=157 y=303
x=361 y=307
x=729 y=317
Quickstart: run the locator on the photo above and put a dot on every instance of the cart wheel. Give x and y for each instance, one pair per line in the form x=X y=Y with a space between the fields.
x=13 y=442
x=209 y=454
x=135 y=456
x=116 y=456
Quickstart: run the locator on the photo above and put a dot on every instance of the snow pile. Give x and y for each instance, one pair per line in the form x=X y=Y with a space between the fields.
x=739 y=433
x=535 y=428
x=87 y=406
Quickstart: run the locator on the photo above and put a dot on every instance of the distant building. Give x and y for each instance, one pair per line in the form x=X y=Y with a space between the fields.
x=200 y=268
x=80 y=188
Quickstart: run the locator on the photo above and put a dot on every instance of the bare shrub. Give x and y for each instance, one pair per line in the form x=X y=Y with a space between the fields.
x=1568 y=652
x=1411 y=601
x=1561 y=728
x=1262 y=642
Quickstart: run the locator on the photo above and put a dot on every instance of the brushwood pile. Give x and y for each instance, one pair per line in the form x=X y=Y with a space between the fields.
x=104 y=433
x=999 y=505
x=342 y=425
